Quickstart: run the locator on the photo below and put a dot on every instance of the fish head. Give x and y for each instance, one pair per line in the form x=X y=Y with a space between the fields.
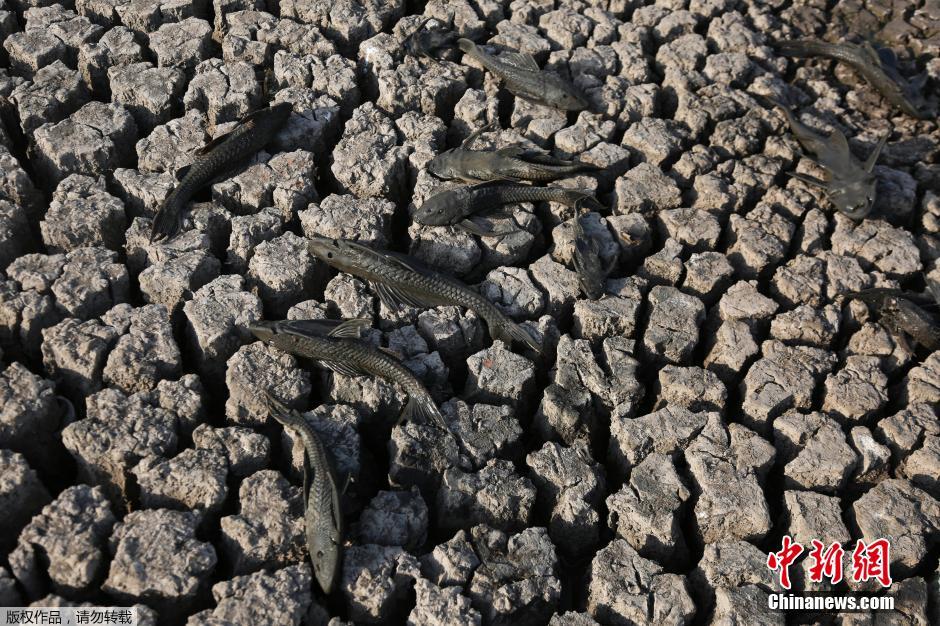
x=441 y=208
x=565 y=96
x=337 y=253
x=443 y=165
x=855 y=198
x=326 y=560
x=276 y=116
x=264 y=331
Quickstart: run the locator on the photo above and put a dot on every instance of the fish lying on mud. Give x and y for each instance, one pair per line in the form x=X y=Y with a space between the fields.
x=425 y=42
x=220 y=155
x=400 y=281
x=898 y=312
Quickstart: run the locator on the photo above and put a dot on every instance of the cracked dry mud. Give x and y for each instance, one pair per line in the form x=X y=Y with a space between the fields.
x=722 y=394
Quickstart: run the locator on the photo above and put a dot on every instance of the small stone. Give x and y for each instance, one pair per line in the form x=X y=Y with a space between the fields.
x=151 y=94
x=258 y=366
x=395 y=518
x=22 y=495
x=815 y=450
x=245 y=450
x=673 y=329
x=182 y=44
x=83 y=213
x=495 y=495
x=376 y=581
x=192 y=480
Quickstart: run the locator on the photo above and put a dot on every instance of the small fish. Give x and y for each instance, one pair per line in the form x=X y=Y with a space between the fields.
x=850 y=185
x=323 y=516
x=400 y=281
x=336 y=346
x=424 y=42
x=899 y=313
x=523 y=77
x=512 y=163
x=865 y=60
x=452 y=206
x=587 y=263
x=220 y=155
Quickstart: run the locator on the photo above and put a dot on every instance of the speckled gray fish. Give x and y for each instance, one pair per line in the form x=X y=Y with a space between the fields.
x=898 y=312
x=865 y=60
x=513 y=163
x=523 y=77
x=424 y=42
x=222 y=154
x=335 y=344
x=850 y=185
x=591 y=271
x=401 y=281
x=323 y=516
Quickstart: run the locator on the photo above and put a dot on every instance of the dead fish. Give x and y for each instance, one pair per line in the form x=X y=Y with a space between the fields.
x=453 y=206
x=424 y=42
x=513 y=163
x=592 y=273
x=850 y=185
x=865 y=60
x=335 y=344
x=323 y=516
x=523 y=77
x=220 y=155
x=400 y=281
x=898 y=313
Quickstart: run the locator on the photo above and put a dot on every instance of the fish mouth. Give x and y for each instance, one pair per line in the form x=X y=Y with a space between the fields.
x=321 y=247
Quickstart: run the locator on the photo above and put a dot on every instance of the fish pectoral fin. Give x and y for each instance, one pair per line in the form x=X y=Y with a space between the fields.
x=873 y=157
x=214 y=143
x=521 y=60
x=351 y=328
x=474 y=228
x=396 y=299
x=512 y=151
x=473 y=136
x=343 y=368
x=392 y=353
x=309 y=328
x=809 y=180
x=425 y=408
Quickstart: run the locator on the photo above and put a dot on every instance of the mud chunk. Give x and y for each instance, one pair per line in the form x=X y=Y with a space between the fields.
x=32 y=50
x=877 y=245
x=157 y=558
x=485 y=431
x=54 y=93
x=376 y=581
x=146 y=354
x=75 y=352
x=730 y=350
x=665 y=432
x=613 y=315
x=904 y=515
x=920 y=384
x=665 y=267
x=192 y=480
x=23 y=316
x=245 y=450
x=418 y=456
x=91 y=283
x=647 y=511
x=783 y=379
x=725 y=465
x=815 y=516
x=182 y=44
x=441 y=606
x=395 y=518
x=495 y=495
x=96 y=139
x=225 y=92
x=411 y=86
x=673 y=329
x=218 y=316
x=268 y=530
x=744 y=302
x=692 y=388
x=873 y=457
x=22 y=495
x=858 y=391
x=117 y=48
x=258 y=366
x=758 y=240
x=645 y=188
x=151 y=94
x=66 y=541
x=625 y=588
x=807 y=325
x=368 y=161
x=284 y=181
x=142 y=193
x=908 y=427
x=920 y=465
x=172 y=282
x=344 y=216
x=695 y=229
x=560 y=285
x=116 y=434
x=517 y=582
x=83 y=213
x=282 y=597
x=800 y=281
x=512 y=291
x=655 y=141
x=15 y=236
x=815 y=450
x=452 y=562
x=282 y=271
x=29 y=414
x=498 y=376
x=570 y=486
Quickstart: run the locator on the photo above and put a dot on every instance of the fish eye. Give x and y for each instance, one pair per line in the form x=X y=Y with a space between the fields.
x=329 y=255
x=319 y=554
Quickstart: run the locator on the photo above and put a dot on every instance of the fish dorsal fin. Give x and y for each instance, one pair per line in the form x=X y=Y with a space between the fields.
x=403 y=262
x=215 y=143
x=521 y=60
x=869 y=51
x=397 y=356
x=873 y=157
x=351 y=329
x=307 y=481
x=181 y=172
x=309 y=328
x=512 y=151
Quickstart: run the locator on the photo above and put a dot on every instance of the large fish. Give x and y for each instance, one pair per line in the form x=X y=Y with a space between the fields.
x=865 y=60
x=510 y=163
x=400 y=281
x=336 y=345
x=592 y=272
x=523 y=77
x=850 y=185
x=220 y=155
x=323 y=517
x=453 y=206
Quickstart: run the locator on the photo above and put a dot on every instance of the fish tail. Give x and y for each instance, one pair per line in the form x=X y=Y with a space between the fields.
x=166 y=223
x=468 y=47
x=801 y=48
x=423 y=406
x=509 y=331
